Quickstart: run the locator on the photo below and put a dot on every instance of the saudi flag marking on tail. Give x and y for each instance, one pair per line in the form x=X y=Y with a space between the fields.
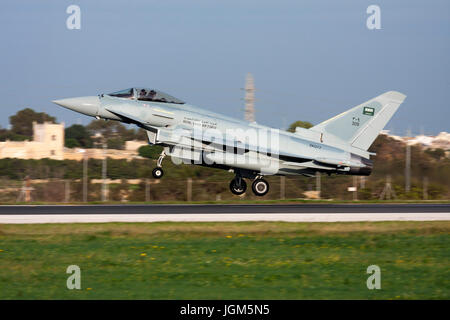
x=369 y=111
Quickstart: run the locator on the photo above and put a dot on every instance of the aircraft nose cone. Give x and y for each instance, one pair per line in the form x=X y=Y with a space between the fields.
x=87 y=105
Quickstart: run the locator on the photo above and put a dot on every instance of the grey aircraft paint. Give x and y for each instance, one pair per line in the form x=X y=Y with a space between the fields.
x=193 y=135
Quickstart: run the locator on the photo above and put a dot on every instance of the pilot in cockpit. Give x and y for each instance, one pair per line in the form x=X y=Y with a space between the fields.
x=152 y=94
x=142 y=93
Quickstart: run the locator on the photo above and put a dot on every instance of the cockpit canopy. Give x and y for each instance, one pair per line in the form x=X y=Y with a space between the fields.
x=145 y=94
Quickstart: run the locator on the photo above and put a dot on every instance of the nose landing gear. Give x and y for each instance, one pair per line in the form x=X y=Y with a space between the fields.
x=158 y=172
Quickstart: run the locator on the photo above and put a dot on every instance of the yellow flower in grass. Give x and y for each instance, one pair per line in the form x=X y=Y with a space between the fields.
x=143 y=254
x=229 y=237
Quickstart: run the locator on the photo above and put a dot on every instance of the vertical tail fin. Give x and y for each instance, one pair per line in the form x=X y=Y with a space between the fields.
x=361 y=125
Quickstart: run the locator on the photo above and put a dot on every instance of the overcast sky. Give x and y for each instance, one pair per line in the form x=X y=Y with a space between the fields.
x=310 y=59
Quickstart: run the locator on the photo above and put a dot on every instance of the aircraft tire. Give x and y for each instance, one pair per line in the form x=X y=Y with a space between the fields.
x=260 y=187
x=157 y=173
x=238 y=190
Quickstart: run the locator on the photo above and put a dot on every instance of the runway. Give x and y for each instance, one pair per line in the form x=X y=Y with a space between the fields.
x=210 y=213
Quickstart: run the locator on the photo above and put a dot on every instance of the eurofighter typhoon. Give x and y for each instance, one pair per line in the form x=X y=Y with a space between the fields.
x=251 y=151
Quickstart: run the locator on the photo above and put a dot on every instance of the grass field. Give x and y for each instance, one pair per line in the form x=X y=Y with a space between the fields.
x=263 y=260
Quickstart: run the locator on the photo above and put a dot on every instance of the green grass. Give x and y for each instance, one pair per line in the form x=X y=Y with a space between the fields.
x=254 y=260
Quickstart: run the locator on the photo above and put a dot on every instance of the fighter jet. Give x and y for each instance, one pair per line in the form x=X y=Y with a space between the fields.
x=193 y=135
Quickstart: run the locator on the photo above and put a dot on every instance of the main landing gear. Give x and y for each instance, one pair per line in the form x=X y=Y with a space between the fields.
x=238 y=186
x=158 y=172
x=260 y=187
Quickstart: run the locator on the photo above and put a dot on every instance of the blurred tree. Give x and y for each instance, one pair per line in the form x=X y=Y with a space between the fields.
x=302 y=124
x=114 y=131
x=141 y=134
x=107 y=129
x=71 y=143
x=115 y=143
x=436 y=153
x=22 y=121
x=151 y=152
x=110 y=129
x=8 y=135
x=77 y=136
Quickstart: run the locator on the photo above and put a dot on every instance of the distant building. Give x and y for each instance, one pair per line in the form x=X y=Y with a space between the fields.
x=129 y=153
x=92 y=153
x=441 y=141
x=48 y=142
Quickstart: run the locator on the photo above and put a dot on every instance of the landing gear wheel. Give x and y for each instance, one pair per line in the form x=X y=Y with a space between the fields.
x=157 y=173
x=260 y=187
x=236 y=188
